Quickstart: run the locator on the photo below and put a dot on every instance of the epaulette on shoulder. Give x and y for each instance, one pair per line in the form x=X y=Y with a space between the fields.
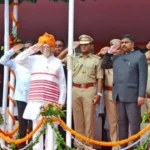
x=97 y=57
x=76 y=54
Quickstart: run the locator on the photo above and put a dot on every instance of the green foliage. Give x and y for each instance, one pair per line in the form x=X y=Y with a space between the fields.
x=32 y=1
x=61 y=145
x=20 y=1
x=1 y=119
x=13 y=146
x=145 y=119
x=42 y=131
x=49 y=112
x=2 y=48
x=52 y=110
x=55 y=111
x=143 y=146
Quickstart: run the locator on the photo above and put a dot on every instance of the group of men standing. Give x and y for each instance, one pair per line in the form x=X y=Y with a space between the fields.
x=129 y=84
x=120 y=73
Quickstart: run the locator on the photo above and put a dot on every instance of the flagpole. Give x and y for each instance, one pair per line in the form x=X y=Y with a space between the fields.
x=69 y=67
x=12 y=78
x=6 y=71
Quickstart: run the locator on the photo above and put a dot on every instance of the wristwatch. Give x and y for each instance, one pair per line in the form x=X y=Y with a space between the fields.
x=100 y=94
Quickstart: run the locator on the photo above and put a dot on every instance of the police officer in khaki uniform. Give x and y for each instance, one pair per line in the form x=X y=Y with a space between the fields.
x=110 y=104
x=146 y=106
x=86 y=74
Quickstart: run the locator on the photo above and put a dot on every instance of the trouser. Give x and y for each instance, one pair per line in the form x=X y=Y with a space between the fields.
x=84 y=112
x=111 y=110
x=144 y=109
x=22 y=122
x=128 y=113
x=49 y=138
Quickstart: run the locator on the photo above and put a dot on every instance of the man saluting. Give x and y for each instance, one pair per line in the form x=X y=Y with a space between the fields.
x=129 y=84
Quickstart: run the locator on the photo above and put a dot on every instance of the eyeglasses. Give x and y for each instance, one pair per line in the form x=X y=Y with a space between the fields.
x=58 y=46
x=46 y=47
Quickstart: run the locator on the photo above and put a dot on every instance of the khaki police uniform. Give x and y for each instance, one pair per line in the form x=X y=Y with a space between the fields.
x=86 y=71
x=110 y=105
x=145 y=107
x=84 y=78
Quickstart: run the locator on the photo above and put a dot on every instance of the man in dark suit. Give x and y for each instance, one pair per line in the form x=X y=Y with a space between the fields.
x=129 y=83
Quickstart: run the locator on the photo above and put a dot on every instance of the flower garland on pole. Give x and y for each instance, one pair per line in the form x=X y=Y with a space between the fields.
x=52 y=113
x=12 y=41
x=145 y=119
x=34 y=1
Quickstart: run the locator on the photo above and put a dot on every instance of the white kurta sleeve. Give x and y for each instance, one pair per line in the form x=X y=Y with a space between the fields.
x=62 y=85
x=25 y=59
x=6 y=59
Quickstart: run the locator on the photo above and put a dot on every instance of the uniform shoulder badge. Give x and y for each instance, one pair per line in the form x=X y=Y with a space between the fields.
x=77 y=54
x=97 y=57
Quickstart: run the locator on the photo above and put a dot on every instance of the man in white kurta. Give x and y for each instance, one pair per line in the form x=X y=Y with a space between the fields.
x=47 y=83
x=21 y=88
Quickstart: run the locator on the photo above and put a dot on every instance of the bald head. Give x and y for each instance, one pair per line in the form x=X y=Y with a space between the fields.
x=115 y=41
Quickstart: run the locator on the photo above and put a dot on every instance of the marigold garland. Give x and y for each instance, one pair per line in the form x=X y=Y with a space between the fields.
x=62 y=123
x=19 y=141
x=12 y=132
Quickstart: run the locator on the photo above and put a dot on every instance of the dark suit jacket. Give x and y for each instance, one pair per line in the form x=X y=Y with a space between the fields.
x=130 y=75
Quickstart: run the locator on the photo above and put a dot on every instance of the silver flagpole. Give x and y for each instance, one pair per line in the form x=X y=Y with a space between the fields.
x=69 y=63
x=6 y=48
x=12 y=78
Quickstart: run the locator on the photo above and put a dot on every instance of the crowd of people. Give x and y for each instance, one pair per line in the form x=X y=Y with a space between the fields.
x=118 y=74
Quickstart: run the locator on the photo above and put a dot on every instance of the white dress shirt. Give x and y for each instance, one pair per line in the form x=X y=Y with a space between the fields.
x=22 y=76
